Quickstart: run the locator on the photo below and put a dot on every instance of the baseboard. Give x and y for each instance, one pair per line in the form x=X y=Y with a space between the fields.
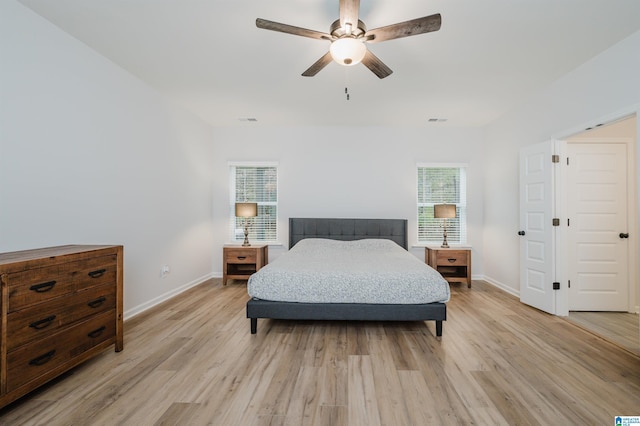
x=501 y=286
x=130 y=313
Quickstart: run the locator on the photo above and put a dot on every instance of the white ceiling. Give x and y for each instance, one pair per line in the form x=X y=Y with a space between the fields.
x=208 y=55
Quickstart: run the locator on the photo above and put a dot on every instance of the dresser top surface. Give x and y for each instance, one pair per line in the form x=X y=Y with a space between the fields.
x=50 y=253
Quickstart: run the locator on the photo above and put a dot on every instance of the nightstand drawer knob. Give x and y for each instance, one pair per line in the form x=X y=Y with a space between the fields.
x=452 y=259
x=242 y=257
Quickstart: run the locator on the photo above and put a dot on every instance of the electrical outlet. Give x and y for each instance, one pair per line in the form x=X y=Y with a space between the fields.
x=165 y=271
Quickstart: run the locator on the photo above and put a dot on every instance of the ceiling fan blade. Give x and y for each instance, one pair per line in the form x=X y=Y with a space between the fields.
x=413 y=27
x=376 y=66
x=349 y=10
x=290 y=29
x=318 y=65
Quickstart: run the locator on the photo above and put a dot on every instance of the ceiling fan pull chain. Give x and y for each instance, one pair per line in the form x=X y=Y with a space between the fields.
x=346 y=82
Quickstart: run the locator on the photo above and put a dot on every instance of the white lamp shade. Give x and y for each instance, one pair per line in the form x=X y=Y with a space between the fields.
x=444 y=211
x=246 y=209
x=348 y=51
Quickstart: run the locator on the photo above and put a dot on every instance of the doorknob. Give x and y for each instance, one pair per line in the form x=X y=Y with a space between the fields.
x=624 y=235
x=522 y=233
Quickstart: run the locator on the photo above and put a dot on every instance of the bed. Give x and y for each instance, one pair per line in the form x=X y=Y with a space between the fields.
x=296 y=295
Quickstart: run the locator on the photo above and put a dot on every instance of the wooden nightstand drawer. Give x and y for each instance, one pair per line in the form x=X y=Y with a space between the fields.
x=241 y=255
x=452 y=257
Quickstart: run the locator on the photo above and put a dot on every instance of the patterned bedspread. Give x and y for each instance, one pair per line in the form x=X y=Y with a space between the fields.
x=373 y=271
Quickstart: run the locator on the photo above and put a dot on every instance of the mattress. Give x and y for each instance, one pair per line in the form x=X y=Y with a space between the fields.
x=371 y=271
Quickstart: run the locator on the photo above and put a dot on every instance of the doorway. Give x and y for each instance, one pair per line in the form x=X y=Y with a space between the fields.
x=603 y=293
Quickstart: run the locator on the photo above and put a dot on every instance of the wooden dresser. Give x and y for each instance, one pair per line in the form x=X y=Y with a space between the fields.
x=59 y=307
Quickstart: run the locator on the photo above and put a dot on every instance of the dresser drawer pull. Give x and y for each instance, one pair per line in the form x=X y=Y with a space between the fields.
x=452 y=259
x=95 y=333
x=43 y=359
x=242 y=257
x=97 y=274
x=95 y=303
x=43 y=287
x=43 y=323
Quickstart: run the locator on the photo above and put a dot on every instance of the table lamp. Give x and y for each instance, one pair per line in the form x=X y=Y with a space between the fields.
x=444 y=211
x=245 y=211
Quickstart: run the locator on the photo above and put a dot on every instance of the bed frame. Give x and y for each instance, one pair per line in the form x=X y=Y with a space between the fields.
x=346 y=229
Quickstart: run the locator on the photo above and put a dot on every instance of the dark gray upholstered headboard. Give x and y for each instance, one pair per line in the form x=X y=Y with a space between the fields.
x=348 y=229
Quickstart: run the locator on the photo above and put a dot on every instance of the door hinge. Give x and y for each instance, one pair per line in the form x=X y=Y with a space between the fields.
x=555 y=158
x=567 y=161
x=568 y=222
x=556 y=286
x=555 y=222
x=569 y=283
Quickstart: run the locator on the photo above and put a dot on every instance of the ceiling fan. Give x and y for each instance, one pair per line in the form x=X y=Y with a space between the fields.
x=349 y=36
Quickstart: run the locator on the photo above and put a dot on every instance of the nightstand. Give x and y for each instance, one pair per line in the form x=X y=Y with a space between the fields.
x=241 y=262
x=453 y=263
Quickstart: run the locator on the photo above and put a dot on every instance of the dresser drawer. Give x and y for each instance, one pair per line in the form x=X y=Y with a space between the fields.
x=42 y=320
x=30 y=361
x=41 y=284
x=239 y=255
x=452 y=258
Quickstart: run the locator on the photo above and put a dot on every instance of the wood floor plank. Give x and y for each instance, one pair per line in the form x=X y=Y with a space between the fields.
x=418 y=398
x=178 y=413
x=363 y=406
x=304 y=400
x=192 y=360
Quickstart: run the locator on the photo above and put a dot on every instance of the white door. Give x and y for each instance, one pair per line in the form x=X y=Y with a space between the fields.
x=597 y=256
x=537 y=234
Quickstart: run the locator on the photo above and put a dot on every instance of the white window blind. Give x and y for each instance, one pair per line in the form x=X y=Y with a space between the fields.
x=442 y=184
x=254 y=183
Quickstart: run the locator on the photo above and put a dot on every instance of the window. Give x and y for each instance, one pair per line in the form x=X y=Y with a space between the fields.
x=438 y=184
x=255 y=183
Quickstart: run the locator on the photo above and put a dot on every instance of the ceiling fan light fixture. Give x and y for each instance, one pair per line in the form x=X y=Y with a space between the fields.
x=348 y=51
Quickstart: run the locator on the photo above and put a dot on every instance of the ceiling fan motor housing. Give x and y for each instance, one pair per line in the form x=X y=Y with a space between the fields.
x=337 y=31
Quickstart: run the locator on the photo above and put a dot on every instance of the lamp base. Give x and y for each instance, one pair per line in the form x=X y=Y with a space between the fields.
x=246 y=243
x=445 y=244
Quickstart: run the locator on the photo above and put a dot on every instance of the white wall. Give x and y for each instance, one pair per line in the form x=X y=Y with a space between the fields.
x=91 y=155
x=605 y=88
x=347 y=172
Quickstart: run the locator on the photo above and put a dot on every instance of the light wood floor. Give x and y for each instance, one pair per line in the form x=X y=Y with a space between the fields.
x=192 y=361
x=621 y=328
